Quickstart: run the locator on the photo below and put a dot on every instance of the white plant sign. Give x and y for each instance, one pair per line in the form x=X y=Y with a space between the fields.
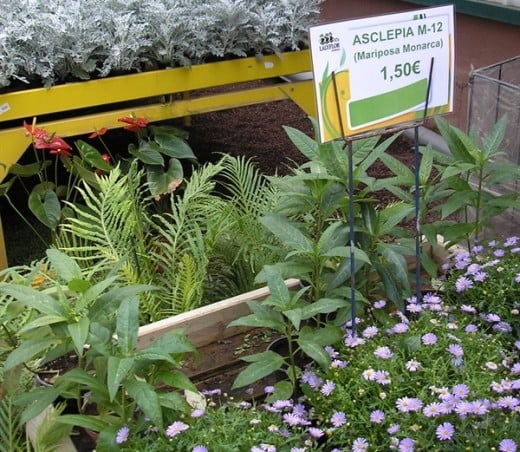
x=381 y=71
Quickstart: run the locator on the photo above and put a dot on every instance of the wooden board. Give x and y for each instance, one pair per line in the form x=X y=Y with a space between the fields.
x=209 y=323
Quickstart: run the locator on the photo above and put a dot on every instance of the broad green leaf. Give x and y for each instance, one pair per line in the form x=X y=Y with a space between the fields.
x=266 y=319
x=289 y=234
x=173 y=146
x=40 y=321
x=173 y=342
x=314 y=351
x=494 y=138
x=32 y=169
x=283 y=390
x=66 y=267
x=305 y=144
x=79 y=285
x=322 y=306
x=457 y=202
x=92 y=156
x=295 y=317
x=392 y=292
x=398 y=168
x=148 y=152
x=127 y=325
x=36 y=401
x=78 y=333
x=34 y=299
x=117 y=370
x=162 y=181
x=335 y=235
x=146 y=398
x=262 y=364
x=277 y=288
x=46 y=208
x=85 y=379
x=176 y=379
x=28 y=350
x=94 y=423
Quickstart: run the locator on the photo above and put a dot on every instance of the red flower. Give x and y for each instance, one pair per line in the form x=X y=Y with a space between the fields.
x=98 y=133
x=134 y=123
x=106 y=158
x=42 y=140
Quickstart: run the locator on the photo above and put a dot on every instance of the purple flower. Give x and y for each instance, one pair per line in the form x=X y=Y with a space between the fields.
x=380 y=304
x=122 y=435
x=468 y=309
x=445 y=431
x=176 y=428
x=509 y=402
x=463 y=283
x=269 y=389
x=292 y=419
x=382 y=377
x=471 y=328
x=359 y=445
x=499 y=252
x=338 y=363
x=461 y=391
x=463 y=409
x=429 y=339
x=511 y=241
x=328 y=388
x=383 y=353
x=480 y=407
x=393 y=429
x=369 y=332
x=199 y=412
x=480 y=276
x=199 y=449
x=338 y=419
x=400 y=328
x=408 y=404
x=316 y=432
x=406 y=445
x=377 y=416
x=433 y=409
x=413 y=365
x=517 y=278
x=455 y=350
x=507 y=445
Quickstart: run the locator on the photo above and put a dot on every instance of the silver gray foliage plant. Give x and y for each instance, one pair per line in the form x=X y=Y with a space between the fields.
x=52 y=41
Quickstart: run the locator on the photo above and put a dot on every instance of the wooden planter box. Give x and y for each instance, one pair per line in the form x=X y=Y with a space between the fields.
x=206 y=328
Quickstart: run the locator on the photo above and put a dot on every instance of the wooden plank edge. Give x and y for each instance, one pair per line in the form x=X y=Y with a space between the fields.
x=208 y=323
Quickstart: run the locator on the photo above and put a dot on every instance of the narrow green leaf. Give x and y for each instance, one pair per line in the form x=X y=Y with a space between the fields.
x=147 y=399
x=127 y=325
x=27 y=351
x=262 y=364
x=79 y=332
x=117 y=370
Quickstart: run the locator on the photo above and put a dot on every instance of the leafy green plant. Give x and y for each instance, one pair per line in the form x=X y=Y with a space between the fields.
x=97 y=322
x=202 y=246
x=473 y=172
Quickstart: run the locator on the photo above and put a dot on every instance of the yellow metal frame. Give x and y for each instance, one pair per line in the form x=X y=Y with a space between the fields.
x=155 y=95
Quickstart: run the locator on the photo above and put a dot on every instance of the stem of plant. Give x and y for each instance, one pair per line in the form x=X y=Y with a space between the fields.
x=22 y=216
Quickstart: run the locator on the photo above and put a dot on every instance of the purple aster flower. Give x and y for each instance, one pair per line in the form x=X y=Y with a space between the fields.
x=468 y=309
x=328 y=388
x=463 y=284
x=212 y=392
x=480 y=276
x=460 y=391
x=491 y=365
x=369 y=332
x=429 y=339
x=433 y=409
x=406 y=445
x=282 y=404
x=338 y=363
x=377 y=416
x=176 y=428
x=477 y=249
x=507 y=445
x=445 y=431
x=455 y=350
x=492 y=318
x=269 y=389
x=515 y=369
x=511 y=241
x=492 y=243
x=122 y=434
x=400 y=328
x=463 y=408
x=353 y=342
x=359 y=445
x=471 y=328
x=413 y=365
x=480 y=407
x=499 y=252
x=472 y=269
x=407 y=404
x=299 y=410
x=517 y=278
x=199 y=449
x=338 y=419
x=380 y=304
x=199 y=412
x=292 y=419
x=414 y=308
x=382 y=377
x=508 y=402
x=432 y=298
x=316 y=432
x=393 y=429
x=383 y=353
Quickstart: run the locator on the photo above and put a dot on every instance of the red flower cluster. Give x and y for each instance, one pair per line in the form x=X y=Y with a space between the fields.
x=134 y=123
x=43 y=140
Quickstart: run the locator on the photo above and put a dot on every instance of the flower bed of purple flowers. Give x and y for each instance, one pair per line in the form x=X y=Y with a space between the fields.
x=444 y=375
